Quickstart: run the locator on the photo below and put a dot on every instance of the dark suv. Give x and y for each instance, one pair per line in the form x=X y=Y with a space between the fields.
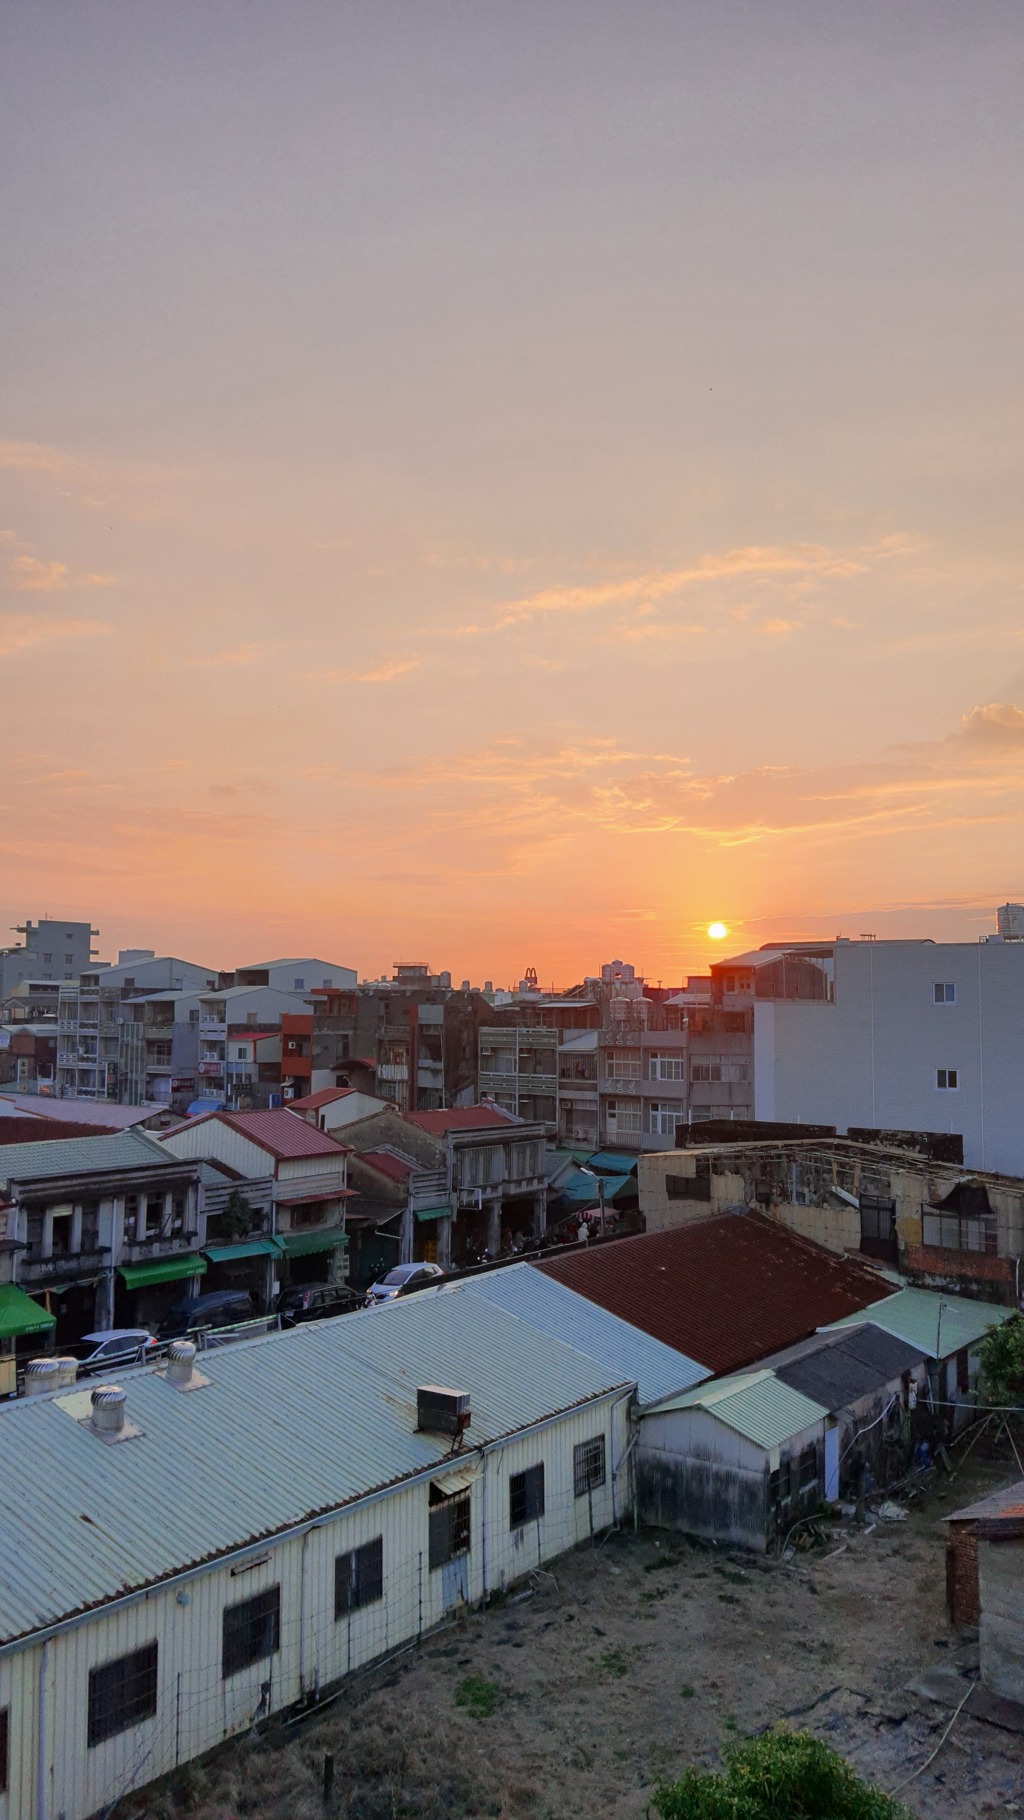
x=313 y=1302
x=218 y=1308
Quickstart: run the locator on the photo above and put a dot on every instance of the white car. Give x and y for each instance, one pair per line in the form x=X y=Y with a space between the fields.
x=112 y=1350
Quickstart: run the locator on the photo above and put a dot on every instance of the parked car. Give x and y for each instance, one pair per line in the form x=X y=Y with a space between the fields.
x=313 y=1302
x=112 y=1350
x=218 y=1308
x=404 y=1280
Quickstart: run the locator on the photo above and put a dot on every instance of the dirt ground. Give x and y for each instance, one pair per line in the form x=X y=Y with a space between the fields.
x=630 y=1661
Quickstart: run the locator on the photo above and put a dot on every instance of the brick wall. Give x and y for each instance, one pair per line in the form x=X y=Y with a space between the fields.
x=965 y=1269
x=962 y=1573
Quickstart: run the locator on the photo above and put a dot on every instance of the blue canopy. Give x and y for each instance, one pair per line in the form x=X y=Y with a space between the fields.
x=612 y=1162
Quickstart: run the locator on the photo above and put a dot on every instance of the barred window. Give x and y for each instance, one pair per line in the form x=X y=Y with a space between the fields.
x=121 y=1694
x=526 y=1496
x=252 y=1631
x=588 y=1466
x=449 y=1527
x=4 y=1734
x=359 y=1577
x=958 y=1232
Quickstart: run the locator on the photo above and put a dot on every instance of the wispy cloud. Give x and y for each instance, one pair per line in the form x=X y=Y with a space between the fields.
x=388 y=671
x=235 y=657
x=28 y=574
x=22 y=631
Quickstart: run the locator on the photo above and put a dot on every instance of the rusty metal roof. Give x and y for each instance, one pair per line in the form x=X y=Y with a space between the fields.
x=726 y=1290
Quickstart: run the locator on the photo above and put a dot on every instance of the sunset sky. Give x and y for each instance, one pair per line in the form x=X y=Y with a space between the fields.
x=502 y=483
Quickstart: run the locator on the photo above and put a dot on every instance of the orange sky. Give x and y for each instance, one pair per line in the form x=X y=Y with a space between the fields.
x=507 y=488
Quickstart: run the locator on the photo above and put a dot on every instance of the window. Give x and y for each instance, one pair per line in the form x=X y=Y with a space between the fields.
x=48 y=959
x=947 y=1079
x=877 y=1216
x=242 y=1051
x=808 y=1468
x=300 y=985
x=4 y=1736
x=663 y=1119
x=730 y=982
x=359 y=1577
x=526 y=1496
x=178 y=1213
x=951 y=1231
x=623 y=1065
x=689 y=1187
x=193 y=1017
x=720 y=1069
x=131 y=1216
x=667 y=1068
x=944 y=992
x=252 y=1631
x=449 y=1527
x=122 y=1694
x=588 y=1466
x=69 y=960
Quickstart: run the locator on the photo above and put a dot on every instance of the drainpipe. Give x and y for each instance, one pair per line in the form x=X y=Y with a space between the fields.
x=41 y=1801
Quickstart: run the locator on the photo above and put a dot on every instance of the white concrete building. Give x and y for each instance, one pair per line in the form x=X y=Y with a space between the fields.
x=910 y=1035
x=331 y=1521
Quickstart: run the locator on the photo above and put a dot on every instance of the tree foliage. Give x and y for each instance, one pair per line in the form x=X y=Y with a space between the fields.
x=1002 y=1363
x=783 y=1775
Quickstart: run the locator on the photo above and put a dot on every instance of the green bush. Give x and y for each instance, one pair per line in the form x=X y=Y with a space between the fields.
x=783 y=1775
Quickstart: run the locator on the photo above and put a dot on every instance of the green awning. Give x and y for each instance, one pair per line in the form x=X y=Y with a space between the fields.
x=20 y=1314
x=300 y=1244
x=434 y=1213
x=162 y=1270
x=252 y=1248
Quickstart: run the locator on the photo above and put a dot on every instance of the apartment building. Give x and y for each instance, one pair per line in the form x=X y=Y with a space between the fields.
x=905 y=1035
x=412 y=1039
x=51 y=950
x=240 y=1043
x=106 y=1047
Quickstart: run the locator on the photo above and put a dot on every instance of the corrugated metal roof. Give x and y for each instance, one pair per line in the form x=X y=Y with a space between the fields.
x=86 y=1112
x=1006 y=1500
x=726 y=1290
x=756 y=1404
x=291 y=1424
x=844 y=1365
x=462 y=1118
x=930 y=1321
x=83 y=1156
x=584 y=1189
x=552 y=1309
x=282 y=1133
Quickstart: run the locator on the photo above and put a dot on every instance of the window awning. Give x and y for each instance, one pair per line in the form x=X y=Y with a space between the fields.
x=162 y=1270
x=252 y=1248
x=453 y=1482
x=20 y=1314
x=434 y=1213
x=300 y=1244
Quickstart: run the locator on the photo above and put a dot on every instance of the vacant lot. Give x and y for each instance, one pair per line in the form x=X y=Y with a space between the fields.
x=634 y=1659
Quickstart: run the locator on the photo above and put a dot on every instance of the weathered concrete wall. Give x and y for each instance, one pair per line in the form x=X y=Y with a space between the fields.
x=702 y=1498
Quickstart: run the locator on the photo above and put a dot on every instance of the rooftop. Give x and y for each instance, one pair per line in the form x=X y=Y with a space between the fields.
x=550 y=1308
x=840 y=1367
x=755 y=1404
x=396 y=1168
x=311 y=1102
x=461 y=1118
x=277 y=1131
x=83 y=1156
x=86 y=1112
x=725 y=1290
x=82 y=1523
x=938 y=1325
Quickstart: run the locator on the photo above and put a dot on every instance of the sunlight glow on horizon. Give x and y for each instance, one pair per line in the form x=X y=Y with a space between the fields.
x=717 y=931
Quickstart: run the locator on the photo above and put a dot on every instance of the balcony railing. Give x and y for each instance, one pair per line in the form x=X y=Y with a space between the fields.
x=63 y=1267
x=161 y=1245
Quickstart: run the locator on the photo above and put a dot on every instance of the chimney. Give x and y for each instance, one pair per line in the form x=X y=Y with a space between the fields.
x=108 y=1402
x=440 y=1411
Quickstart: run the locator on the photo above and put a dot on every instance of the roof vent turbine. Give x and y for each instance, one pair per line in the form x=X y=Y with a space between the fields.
x=108 y=1401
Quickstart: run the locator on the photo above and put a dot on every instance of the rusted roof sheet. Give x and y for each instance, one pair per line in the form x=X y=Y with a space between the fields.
x=726 y=1290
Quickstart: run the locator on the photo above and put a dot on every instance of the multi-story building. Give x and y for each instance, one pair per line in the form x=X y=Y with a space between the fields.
x=884 y=1035
x=240 y=1043
x=51 y=951
x=412 y=1039
x=302 y=974
x=104 y=1049
x=605 y=1064
x=28 y=1056
x=106 y=1230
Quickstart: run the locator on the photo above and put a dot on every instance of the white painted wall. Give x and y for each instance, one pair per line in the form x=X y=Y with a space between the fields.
x=871 y=1057
x=47 y=1694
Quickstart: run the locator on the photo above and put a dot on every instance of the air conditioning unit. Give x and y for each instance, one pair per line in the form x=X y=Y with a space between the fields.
x=441 y=1411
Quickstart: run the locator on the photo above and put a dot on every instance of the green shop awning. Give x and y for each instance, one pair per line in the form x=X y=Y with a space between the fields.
x=252 y=1248
x=300 y=1244
x=162 y=1270
x=20 y=1314
x=434 y=1213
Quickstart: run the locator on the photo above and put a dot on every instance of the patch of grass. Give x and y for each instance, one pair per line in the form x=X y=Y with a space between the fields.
x=478 y=1695
x=612 y=1662
x=728 y=1598
x=686 y=1692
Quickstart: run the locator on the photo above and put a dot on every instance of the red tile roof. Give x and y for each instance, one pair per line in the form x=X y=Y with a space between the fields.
x=460 y=1118
x=277 y=1131
x=311 y=1102
x=394 y=1167
x=726 y=1290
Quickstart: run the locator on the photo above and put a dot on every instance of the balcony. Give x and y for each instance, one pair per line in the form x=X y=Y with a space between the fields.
x=392 y=1071
x=213 y=1027
x=161 y=1245
x=66 y=1267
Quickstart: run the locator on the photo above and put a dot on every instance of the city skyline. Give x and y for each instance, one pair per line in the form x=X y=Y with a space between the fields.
x=511 y=488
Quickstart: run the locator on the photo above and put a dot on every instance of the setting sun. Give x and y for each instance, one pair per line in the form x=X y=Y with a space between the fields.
x=717 y=932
